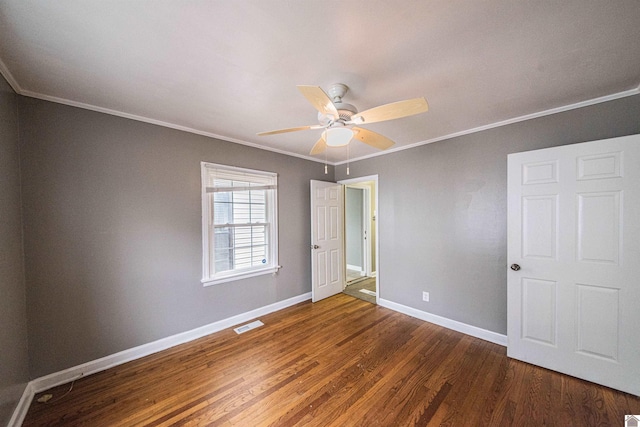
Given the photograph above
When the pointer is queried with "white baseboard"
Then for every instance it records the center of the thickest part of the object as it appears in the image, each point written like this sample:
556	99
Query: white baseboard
23	406
94	366
57	378
474	331
355	268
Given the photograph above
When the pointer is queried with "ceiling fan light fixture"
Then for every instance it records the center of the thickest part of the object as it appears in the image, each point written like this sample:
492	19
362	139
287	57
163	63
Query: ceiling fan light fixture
340	120
338	136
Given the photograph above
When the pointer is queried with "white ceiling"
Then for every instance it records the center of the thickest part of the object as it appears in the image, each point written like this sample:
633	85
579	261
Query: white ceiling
230	68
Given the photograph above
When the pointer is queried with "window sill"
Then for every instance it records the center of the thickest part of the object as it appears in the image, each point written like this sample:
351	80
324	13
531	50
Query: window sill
239	276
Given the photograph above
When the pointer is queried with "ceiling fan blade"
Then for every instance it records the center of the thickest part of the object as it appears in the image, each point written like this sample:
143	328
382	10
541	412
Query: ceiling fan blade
395	110
273	132
371	138
319	147
320	100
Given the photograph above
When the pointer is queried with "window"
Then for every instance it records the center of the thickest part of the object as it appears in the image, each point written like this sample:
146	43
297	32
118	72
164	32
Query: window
239	223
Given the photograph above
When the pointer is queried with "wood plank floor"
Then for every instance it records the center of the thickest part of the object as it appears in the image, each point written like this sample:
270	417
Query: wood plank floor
368	284
338	362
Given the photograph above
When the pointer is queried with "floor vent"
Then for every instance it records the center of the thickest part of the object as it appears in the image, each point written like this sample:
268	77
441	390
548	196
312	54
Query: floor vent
368	292
249	326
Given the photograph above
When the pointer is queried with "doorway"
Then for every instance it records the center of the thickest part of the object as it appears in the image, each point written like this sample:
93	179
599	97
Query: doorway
361	238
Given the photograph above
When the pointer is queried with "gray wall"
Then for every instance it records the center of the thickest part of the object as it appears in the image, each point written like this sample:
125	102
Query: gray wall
442	210
13	316
113	246
354	227
112	227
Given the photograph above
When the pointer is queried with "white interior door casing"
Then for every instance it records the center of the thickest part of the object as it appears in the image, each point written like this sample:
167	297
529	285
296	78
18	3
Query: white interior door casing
327	239
574	229
366	222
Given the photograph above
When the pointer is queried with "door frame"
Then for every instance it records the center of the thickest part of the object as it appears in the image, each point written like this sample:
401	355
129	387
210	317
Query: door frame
376	212
366	229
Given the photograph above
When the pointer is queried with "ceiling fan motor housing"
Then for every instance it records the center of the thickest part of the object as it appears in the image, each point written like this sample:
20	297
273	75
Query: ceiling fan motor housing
345	111
338	119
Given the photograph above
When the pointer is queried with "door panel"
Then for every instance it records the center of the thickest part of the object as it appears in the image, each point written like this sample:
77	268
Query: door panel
334	222
597	338
599	166
321	266
540	173
321	222
599	227
327	239
574	229
539	310
539	226
335	267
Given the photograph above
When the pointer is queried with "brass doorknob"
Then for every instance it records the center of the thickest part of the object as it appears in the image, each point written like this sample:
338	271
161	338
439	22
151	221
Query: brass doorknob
315	247
515	267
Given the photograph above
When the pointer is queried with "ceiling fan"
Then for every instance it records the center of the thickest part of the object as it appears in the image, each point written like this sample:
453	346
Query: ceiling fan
339	119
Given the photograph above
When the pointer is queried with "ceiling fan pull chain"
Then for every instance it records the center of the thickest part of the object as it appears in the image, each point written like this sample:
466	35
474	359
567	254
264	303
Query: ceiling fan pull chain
326	168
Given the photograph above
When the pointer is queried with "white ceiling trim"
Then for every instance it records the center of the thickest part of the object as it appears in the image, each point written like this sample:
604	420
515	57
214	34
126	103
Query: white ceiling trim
9	78
18	89
556	110
160	123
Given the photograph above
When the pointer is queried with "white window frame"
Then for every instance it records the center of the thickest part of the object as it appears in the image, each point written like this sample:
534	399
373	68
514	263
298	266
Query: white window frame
209	276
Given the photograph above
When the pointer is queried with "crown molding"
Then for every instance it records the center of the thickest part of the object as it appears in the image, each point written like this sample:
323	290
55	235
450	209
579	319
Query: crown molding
144	119
526	117
4	70
18	89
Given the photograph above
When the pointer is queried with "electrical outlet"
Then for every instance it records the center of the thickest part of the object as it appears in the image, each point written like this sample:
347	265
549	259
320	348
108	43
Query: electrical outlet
425	296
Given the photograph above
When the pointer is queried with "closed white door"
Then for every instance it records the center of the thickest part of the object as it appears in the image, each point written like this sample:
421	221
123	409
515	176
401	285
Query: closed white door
327	239
574	253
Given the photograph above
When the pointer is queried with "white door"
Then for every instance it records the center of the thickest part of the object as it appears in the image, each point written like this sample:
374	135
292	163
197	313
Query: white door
327	239
574	231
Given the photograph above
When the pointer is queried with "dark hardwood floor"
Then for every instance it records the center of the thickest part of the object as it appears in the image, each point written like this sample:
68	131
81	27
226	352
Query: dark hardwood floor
338	362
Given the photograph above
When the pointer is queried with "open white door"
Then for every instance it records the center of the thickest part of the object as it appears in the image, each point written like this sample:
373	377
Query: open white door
574	253
327	239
